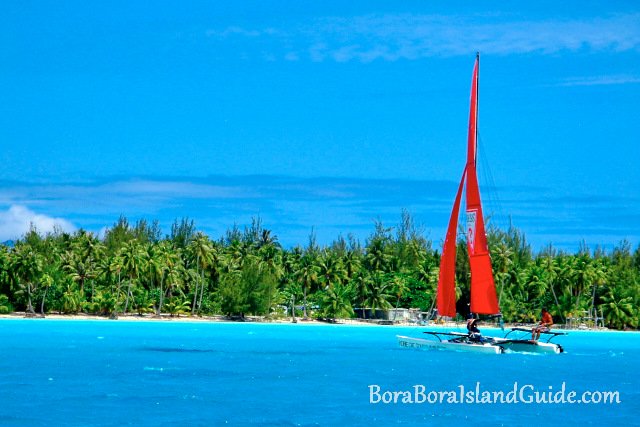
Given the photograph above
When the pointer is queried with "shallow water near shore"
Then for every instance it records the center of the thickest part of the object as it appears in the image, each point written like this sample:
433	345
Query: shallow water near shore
111	373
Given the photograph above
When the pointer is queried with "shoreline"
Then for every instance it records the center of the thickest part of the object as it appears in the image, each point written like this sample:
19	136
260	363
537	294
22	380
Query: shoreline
213	319
262	320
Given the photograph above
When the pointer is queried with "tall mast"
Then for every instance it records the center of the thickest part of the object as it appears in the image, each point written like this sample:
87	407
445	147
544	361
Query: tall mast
483	291
472	135
477	106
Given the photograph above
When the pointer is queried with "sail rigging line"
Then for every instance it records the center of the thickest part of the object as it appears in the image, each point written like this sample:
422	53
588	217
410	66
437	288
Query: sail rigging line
492	198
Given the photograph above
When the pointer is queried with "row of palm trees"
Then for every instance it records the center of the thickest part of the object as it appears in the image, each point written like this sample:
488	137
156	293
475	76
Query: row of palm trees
135	270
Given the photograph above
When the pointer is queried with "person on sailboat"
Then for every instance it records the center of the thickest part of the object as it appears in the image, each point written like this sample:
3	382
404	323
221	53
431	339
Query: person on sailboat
472	328
544	325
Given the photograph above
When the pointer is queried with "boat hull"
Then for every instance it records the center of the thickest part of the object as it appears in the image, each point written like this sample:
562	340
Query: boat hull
526	346
409	342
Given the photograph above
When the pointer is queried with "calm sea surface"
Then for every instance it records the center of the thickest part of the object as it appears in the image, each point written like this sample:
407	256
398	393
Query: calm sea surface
113	373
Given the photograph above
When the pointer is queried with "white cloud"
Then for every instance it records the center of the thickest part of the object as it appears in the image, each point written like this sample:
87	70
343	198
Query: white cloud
392	37
171	189
135	195
601	80
17	220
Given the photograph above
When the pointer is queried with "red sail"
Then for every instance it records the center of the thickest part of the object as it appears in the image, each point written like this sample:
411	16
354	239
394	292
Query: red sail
447	278
483	291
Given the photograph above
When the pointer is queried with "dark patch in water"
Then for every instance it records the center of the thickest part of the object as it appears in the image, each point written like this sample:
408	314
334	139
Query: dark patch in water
178	350
259	352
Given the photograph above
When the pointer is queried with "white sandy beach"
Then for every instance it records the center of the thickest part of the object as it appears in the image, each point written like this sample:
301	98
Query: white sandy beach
257	319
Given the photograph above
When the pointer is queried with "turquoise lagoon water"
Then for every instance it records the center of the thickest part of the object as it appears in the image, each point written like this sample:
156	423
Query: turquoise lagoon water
113	373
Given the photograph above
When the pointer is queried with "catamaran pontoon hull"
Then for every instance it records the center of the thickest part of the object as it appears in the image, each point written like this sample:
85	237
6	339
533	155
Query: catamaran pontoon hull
524	346
421	343
491	345
519	344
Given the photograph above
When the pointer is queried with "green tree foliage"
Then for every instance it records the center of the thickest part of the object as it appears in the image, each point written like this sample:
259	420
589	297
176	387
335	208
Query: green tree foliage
133	269
5	304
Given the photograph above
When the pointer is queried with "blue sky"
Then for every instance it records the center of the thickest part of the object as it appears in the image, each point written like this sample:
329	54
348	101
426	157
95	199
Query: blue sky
320	114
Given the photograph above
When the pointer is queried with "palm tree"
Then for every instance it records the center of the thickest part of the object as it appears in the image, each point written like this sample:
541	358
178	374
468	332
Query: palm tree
266	238
583	276
200	248
377	258
291	291
502	262
599	279
113	267
361	286
104	303
176	307
46	282
235	254
336	303
378	294
133	263
27	264
175	278
411	249
89	249
5	269
352	262
71	300
550	266
564	273
270	264
163	259
77	269
618	309
330	270
143	301
400	287
5	305
426	276
307	276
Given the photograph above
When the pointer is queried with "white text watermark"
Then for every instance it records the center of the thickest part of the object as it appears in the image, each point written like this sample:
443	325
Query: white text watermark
518	394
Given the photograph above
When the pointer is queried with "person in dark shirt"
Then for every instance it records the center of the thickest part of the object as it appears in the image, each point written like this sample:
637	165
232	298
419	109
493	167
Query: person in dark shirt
472	328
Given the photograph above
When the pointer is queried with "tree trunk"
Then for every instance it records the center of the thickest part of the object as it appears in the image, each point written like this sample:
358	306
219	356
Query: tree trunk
159	313
593	307
304	307
126	303
433	304
293	309
555	298
118	292
201	290
578	301
195	294
42	303
501	289
269	303
29	305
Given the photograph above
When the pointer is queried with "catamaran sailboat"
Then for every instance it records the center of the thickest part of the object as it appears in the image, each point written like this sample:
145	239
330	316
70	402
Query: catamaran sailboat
483	290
